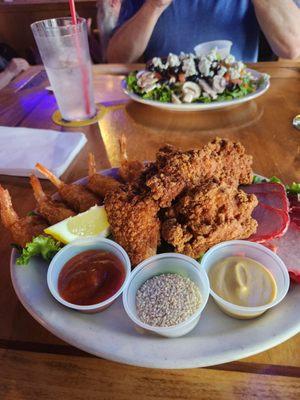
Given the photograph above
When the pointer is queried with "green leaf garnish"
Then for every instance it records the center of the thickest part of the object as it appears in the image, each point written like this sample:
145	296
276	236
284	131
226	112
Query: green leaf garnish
294	188
42	245
32	213
274	179
199	259
258	179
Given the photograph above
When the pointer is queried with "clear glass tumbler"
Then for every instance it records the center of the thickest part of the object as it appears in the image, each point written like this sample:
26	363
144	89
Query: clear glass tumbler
65	53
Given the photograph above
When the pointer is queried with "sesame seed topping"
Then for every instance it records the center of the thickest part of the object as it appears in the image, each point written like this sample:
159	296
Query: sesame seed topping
167	300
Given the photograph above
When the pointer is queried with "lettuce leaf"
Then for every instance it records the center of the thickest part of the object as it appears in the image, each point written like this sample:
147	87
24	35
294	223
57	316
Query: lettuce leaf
42	245
294	188
162	94
131	81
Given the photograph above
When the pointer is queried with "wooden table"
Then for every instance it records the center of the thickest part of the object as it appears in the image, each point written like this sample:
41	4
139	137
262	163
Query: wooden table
34	363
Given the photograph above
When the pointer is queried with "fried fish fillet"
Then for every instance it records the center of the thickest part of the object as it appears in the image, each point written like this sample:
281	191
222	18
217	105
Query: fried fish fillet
206	215
134	222
176	170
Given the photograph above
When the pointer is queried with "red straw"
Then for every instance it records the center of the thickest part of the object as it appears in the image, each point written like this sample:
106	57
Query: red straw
73	11
84	72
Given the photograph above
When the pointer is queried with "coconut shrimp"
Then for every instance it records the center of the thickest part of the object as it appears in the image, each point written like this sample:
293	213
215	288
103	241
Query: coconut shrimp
97	183
129	171
24	229
53	211
75	196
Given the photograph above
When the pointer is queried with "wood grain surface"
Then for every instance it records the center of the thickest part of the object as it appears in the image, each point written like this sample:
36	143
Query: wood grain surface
34	364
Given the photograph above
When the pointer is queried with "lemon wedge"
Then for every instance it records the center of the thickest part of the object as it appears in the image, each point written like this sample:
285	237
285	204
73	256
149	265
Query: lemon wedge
92	222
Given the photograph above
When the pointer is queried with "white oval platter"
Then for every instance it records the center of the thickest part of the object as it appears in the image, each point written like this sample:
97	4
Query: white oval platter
110	334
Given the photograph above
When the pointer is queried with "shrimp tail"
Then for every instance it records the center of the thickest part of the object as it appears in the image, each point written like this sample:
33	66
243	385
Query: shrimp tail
123	145
48	174
38	192
92	165
7	213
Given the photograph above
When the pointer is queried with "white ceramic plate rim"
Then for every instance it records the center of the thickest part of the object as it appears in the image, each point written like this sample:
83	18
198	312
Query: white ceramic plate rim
200	106
227	354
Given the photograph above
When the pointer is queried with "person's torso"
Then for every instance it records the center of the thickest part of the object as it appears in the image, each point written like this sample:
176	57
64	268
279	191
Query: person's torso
186	23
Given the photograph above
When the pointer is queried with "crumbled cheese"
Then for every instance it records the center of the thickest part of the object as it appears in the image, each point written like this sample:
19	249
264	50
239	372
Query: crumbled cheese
234	73
189	67
173	60
240	66
229	59
183	56
204	66
212	55
157	62
222	71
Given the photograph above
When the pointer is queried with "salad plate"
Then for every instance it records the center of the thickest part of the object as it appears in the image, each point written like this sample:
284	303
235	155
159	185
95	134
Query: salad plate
110	334
263	87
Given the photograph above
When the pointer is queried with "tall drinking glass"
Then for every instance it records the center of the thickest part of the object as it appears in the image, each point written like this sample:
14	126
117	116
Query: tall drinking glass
65	53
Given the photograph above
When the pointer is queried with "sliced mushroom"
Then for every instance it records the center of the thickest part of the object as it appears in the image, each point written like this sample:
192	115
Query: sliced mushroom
176	99
146	80
150	87
205	87
219	84
140	73
191	91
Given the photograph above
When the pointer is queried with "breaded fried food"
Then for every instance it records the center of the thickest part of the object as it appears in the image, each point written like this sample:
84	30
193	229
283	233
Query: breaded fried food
23	230
53	211
130	170
134	222
206	215
76	197
177	170
97	183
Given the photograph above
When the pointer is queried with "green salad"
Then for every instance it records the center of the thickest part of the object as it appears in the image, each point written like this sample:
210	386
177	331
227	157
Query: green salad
190	79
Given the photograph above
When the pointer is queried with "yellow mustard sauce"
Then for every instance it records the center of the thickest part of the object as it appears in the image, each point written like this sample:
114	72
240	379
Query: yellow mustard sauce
242	281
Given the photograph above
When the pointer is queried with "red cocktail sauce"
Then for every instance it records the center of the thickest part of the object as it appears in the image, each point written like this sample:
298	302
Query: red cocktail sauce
91	277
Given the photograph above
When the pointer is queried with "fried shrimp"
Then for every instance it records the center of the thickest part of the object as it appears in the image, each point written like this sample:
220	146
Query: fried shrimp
129	171
97	183
53	211
76	196
23	230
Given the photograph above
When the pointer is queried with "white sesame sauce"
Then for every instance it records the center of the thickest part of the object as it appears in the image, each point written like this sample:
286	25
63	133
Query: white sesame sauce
167	300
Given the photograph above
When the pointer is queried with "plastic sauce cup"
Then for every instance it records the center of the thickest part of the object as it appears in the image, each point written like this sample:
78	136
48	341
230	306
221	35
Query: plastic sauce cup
77	247
223	47
164	264
258	253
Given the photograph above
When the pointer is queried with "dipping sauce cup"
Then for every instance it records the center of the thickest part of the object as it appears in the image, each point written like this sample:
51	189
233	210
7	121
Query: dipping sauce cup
165	264
75	248
223	47
258	253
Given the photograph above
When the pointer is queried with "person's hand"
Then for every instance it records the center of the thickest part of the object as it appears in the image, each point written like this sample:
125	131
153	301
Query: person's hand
160	3
16	66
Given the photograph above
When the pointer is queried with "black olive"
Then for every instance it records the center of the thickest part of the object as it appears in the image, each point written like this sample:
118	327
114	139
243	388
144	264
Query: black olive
192	78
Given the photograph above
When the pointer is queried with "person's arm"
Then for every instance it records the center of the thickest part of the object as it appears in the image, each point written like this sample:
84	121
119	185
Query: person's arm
280	22
13	69
130	41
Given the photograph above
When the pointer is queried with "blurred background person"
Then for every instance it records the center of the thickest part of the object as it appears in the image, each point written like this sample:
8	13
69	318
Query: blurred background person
148	28
107	17
10	65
